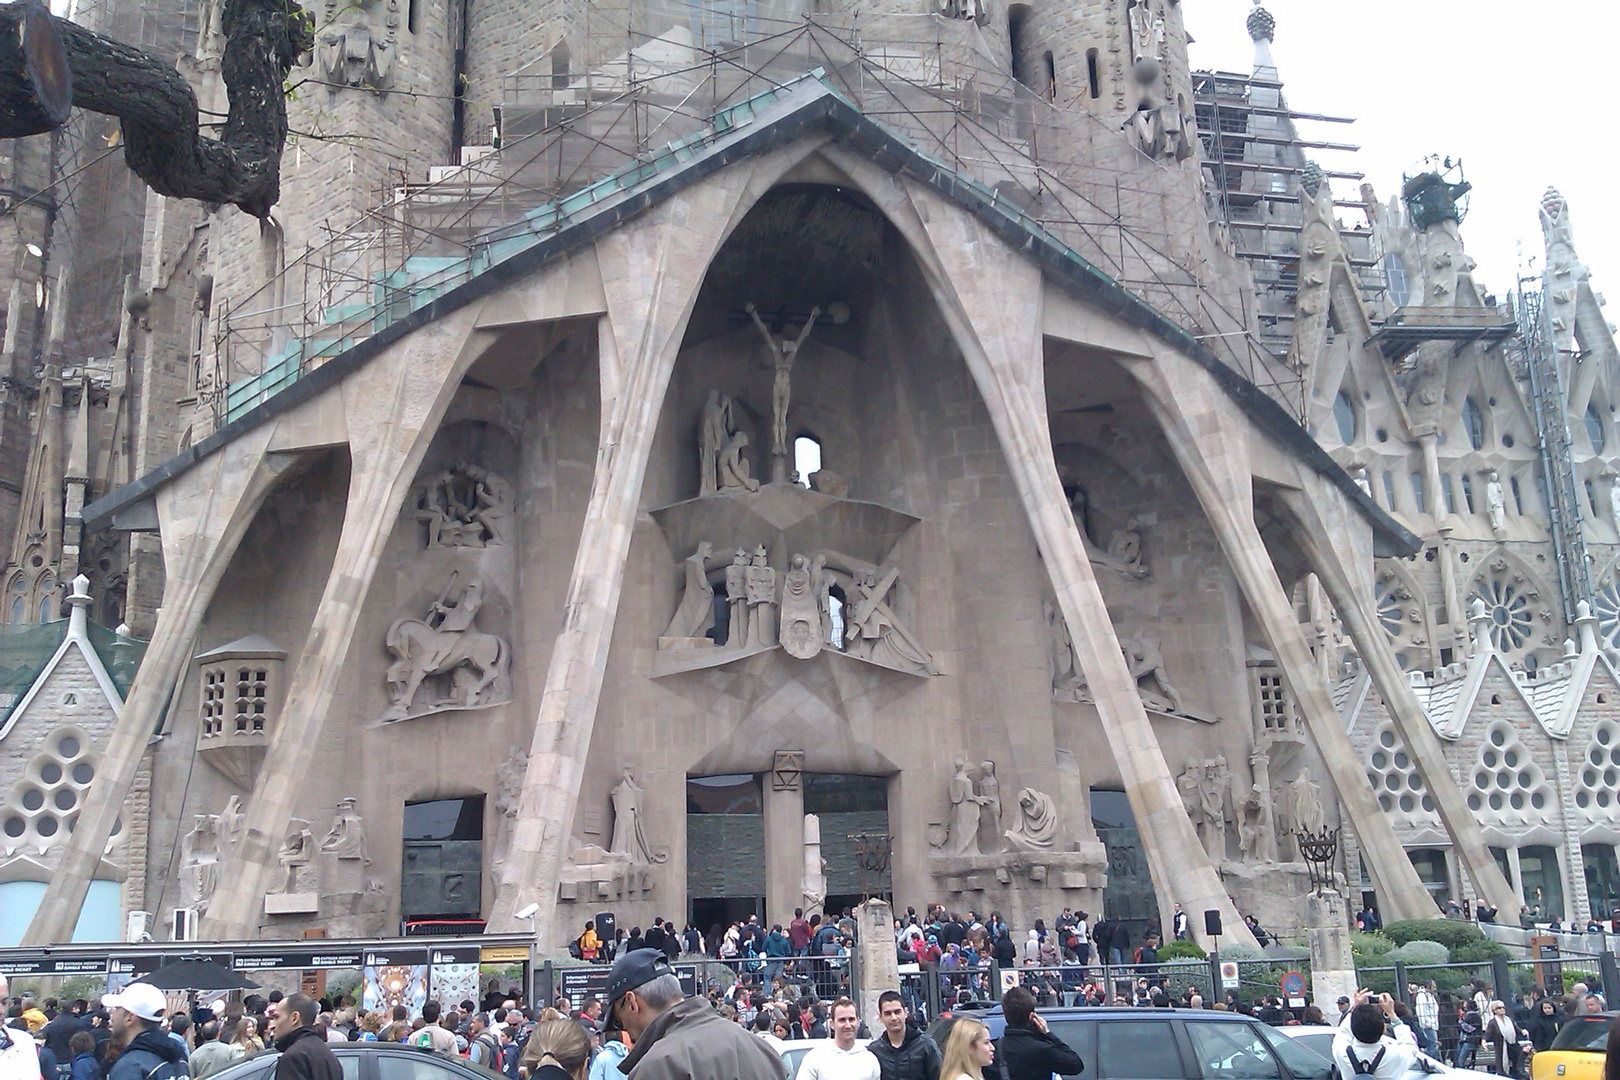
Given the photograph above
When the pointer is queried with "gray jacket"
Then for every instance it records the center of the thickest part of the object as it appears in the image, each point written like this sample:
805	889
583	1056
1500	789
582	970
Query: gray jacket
690	1041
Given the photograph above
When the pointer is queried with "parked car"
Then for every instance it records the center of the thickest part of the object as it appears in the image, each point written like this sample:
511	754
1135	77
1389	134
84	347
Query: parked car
1320	1039
372	1061
1577	1050
793	1051
1167	1044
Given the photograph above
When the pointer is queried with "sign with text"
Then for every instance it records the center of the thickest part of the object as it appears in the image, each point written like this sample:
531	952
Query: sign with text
1230	980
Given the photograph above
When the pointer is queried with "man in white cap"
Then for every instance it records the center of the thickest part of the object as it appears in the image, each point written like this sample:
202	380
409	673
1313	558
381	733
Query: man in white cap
149	1053
19	1059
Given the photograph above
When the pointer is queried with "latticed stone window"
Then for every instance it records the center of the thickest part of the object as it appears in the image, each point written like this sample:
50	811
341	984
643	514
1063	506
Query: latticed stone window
1273	706
213	701
252	698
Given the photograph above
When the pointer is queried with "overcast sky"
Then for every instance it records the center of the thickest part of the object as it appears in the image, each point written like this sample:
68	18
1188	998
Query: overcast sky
1523	93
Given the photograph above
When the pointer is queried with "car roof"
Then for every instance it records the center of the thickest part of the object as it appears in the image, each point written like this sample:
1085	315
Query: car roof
1102	1012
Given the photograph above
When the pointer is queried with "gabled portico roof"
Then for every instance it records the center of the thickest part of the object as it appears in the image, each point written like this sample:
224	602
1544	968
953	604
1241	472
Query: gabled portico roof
805	107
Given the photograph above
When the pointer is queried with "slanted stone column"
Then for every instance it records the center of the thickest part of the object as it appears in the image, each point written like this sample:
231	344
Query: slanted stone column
393	406
1212	446
1327	932
877	968
651	271
1316	525
202	516
991	299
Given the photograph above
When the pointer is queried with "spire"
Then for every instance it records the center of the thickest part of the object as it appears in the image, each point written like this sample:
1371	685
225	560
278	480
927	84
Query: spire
1262	25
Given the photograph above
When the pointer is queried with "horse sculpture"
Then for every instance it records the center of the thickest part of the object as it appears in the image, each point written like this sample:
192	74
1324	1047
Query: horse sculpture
472	659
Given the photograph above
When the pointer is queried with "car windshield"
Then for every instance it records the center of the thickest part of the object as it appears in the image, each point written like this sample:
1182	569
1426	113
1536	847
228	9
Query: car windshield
1302	1061
1583	1033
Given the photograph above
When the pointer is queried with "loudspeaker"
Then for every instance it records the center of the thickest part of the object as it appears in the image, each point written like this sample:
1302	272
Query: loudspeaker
605	926
1212	922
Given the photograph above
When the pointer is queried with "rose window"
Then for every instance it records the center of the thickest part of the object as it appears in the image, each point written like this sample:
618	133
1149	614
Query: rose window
1508	606
1606	606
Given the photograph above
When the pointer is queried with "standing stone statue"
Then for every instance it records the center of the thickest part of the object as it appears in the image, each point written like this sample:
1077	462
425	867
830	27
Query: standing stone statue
821	585
737	600
508	796
815	867
1037	826
1190	784
990	799
199	860
1495	507
492	503
1125	546
1306	804
1145	661
1066	680
694	616
783	353
965	808
230	822
1253	817
297	849
761	601
1614	501
347	839
1215	791
628	835
802	635
713	436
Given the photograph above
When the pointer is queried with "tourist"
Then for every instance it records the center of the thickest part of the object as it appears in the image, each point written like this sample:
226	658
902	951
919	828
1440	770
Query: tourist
137	1024
968	1051
1503	1036
64	1026
675	1037
214	1051
588	944
558	1049
605	1066
1426	1007
18	1058
304	1053
85	1065
1363	1046
1029	1050
1544	1024
841	1057
903	1051
432	1035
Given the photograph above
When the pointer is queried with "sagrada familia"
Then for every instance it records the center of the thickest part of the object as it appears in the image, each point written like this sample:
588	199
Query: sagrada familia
694	458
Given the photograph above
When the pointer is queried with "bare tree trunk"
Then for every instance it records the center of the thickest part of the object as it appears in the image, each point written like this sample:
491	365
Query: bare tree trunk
158	110
35	90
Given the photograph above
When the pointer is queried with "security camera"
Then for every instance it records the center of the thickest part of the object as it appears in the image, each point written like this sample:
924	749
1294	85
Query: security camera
527	912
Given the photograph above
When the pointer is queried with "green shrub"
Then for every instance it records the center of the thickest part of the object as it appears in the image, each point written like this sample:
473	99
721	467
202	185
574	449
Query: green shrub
1478	952
1448	932
1182	950
1237	950
1419	954
1365	944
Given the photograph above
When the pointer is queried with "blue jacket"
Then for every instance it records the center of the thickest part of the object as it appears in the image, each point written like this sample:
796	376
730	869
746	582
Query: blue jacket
151	1052
86	1067
605	1066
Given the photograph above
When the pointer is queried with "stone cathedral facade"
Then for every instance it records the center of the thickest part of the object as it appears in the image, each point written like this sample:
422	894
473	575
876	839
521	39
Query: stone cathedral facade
691	459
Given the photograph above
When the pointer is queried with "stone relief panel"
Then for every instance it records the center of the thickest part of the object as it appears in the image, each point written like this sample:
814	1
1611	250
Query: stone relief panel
465	505
442	660
356	43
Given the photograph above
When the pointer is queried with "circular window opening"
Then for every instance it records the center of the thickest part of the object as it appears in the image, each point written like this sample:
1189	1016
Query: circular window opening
1387	738
1603	736
33	799
1407	804
1517	800
16	826
1507	439
1415	782
1603	798
1498	737
1524	778
1538	800
118	826
1392	782
1496	802
1581	799
1482	780
1489	758
1380	760
1383	436
1473	802
1596	756
68	747
1386	802
65	798
1427	803
50	772
1401	761
45	826
1589	778
1510	759
83	773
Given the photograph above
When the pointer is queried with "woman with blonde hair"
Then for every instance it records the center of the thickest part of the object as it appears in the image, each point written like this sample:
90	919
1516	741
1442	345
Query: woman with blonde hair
968	1051
557	1050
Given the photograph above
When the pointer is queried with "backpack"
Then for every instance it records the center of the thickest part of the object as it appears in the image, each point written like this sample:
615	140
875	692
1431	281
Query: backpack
1363	1070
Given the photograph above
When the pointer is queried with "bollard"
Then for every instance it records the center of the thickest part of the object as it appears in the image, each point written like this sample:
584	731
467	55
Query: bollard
995	981
547	989
1402	994
1216	992
931	988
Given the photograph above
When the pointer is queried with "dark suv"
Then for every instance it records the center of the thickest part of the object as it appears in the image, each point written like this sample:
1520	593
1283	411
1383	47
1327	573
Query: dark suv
1167	1044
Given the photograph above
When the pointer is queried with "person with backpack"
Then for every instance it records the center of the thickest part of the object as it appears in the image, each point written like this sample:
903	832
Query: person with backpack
1363	1049
137	1021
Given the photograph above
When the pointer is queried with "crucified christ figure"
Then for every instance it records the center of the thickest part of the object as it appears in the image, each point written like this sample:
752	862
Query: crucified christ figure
783	353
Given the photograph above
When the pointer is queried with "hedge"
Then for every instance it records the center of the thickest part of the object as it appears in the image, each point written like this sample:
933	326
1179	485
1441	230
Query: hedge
1449	932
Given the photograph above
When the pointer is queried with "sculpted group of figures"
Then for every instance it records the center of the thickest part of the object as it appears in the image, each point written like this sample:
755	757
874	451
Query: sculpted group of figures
976	816
1213	798
828	600
213	836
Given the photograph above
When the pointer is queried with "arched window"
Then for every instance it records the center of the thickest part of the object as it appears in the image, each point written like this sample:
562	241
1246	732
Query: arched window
1093	79
1594	429
1395	279
19	600
1051	77
1445	489
806	457
1474	423
1345	413
1591	499
1468	492
835	611
1518	496
1389	492
1417	491
47	599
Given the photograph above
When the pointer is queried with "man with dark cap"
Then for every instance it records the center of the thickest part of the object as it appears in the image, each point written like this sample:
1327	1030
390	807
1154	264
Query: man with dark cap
676	1037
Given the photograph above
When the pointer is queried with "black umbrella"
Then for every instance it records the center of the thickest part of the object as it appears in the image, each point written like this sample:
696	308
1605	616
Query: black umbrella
197	975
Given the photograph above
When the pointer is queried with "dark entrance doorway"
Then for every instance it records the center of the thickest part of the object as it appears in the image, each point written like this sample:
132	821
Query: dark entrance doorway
725	852
851	806
1129	894
444	859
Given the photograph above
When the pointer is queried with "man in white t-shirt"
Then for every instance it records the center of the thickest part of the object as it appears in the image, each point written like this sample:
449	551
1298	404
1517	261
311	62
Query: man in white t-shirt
841	1057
